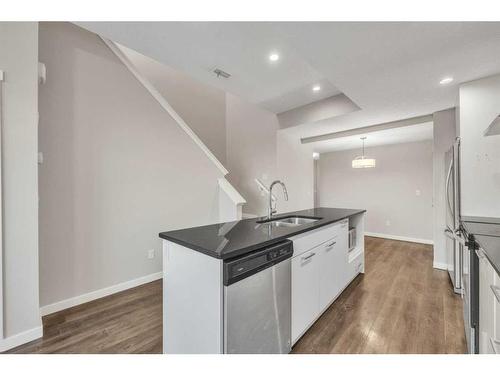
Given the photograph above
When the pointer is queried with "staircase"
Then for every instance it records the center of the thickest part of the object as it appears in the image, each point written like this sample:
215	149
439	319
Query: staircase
230	202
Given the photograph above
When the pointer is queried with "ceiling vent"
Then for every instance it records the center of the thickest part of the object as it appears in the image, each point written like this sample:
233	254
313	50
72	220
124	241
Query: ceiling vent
220	73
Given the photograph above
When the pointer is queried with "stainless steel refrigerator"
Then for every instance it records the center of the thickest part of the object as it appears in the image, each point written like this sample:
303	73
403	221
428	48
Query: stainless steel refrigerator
462	261
452	230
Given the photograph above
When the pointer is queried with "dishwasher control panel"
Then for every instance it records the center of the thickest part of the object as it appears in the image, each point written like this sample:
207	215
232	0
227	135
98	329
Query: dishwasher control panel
249	264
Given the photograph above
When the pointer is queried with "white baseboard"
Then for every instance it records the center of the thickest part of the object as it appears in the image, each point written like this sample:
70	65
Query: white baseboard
440	266
87	297
21	338
400	238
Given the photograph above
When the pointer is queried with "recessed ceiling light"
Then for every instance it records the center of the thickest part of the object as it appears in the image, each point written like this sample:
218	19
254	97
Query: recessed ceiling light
316	88
446	80
274	57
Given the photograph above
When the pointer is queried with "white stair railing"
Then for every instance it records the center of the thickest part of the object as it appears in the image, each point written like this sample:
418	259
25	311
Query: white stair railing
1	211
230	201
264	189
163	102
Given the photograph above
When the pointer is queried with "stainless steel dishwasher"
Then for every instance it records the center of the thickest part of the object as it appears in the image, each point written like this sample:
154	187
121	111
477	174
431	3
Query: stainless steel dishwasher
257	301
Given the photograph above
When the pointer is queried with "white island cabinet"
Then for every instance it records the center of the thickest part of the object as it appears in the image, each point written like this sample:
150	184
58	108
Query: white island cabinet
322	267
195	291
489	307
305	291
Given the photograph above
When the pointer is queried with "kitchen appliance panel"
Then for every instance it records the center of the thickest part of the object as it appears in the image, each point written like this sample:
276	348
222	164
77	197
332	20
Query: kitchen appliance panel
257	307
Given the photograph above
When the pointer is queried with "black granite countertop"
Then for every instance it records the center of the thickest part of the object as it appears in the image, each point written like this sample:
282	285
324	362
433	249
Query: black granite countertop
235	238
486	231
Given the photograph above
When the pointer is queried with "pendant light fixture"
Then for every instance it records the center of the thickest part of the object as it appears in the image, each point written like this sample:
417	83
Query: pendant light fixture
362	161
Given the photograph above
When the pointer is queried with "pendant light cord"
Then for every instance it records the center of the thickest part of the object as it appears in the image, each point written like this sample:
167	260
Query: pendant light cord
363	154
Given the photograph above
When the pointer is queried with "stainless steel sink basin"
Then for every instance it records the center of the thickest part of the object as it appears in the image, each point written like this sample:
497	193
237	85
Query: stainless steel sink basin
298	220
291	221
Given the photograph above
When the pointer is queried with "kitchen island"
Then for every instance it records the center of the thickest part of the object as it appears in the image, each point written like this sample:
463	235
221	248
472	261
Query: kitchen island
256	285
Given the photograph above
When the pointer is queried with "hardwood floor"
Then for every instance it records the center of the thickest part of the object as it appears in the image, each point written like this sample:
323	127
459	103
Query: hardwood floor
126	322
401	305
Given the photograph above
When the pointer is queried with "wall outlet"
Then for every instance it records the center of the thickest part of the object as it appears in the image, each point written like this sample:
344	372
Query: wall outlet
151	254
417	193
388	223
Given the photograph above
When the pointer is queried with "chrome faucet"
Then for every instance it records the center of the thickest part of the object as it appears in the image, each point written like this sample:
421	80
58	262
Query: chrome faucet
272	211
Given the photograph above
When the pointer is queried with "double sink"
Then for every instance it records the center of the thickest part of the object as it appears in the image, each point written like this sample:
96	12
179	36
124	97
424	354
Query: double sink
289	221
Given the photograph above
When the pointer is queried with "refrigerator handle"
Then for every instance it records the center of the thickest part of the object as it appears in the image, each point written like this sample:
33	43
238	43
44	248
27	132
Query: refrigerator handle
460	237
447	192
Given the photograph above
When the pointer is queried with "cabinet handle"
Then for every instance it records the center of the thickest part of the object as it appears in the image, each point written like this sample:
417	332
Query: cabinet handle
330	245
496	292
495	344
309	256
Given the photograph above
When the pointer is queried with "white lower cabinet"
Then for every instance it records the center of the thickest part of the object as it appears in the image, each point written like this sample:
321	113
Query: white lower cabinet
319	275
489	308
331	277
496	341
305	291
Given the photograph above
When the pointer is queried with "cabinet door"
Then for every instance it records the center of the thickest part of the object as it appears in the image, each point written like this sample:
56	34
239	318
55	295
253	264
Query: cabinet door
332	263
496	292
305	292
486	306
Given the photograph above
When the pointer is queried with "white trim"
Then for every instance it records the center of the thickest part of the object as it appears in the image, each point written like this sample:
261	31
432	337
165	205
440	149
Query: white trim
96	294
230	202
1	212
21	338
400	238
163	102
264	188
231	192
440	266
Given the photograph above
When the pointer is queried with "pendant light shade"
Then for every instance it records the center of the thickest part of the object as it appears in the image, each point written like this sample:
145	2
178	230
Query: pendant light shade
362	161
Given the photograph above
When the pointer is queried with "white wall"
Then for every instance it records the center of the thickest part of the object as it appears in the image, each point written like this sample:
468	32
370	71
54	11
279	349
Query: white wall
251	151
480	155
444	135
117	170
387	192
201	106
19	61
240	134
296	169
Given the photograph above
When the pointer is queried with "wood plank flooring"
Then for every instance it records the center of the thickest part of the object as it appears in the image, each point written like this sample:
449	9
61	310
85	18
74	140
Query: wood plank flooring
126	322
401	305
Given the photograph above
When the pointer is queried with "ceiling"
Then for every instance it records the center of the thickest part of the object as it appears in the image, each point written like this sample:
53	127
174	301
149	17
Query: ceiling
413	133
391	70
241	49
